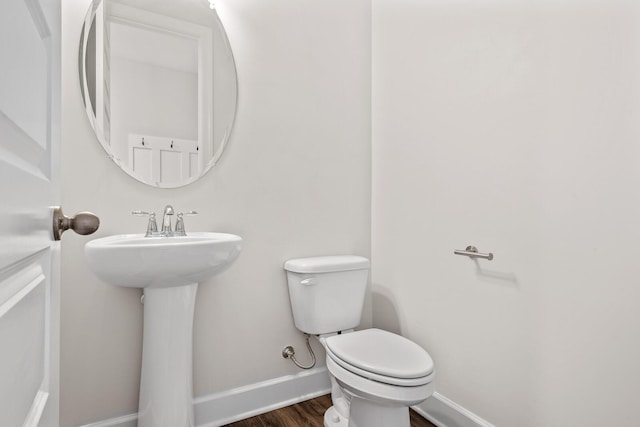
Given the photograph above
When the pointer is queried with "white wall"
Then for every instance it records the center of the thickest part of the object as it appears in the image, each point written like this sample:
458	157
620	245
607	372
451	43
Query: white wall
139	108
513	126
294	181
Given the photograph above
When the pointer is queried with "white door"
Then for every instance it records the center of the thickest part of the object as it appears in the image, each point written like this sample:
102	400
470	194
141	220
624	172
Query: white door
29	258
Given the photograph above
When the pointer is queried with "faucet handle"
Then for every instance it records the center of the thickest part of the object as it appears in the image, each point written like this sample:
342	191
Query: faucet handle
179	230
152	226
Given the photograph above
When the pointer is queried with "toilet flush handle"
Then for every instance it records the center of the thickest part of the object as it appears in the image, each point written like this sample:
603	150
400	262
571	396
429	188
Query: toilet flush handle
308	282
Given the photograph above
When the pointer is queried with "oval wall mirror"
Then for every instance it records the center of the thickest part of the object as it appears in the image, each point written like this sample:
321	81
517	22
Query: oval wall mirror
159	86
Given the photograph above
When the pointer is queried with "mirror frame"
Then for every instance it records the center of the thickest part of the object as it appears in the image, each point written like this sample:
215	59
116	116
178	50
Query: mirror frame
205	101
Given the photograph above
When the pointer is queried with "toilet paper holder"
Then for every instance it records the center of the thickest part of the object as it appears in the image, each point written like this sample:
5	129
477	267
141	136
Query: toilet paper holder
472	252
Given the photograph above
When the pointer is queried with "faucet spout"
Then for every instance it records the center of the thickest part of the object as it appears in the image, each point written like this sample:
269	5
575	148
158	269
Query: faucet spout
166	220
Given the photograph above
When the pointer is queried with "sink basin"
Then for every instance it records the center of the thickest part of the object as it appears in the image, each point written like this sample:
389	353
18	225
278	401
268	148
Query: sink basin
135	261
168	269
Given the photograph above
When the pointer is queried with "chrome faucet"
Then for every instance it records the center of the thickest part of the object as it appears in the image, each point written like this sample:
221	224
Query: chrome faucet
180	231
152	226
165	231
166	220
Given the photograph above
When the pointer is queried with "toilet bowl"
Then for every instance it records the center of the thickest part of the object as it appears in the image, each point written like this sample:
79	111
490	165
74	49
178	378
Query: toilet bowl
375	375
383	374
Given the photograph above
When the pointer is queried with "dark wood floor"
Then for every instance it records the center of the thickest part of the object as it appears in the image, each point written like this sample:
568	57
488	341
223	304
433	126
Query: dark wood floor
306	414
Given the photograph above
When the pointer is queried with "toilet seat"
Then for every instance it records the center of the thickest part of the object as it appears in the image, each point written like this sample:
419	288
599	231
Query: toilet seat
381	356
380	392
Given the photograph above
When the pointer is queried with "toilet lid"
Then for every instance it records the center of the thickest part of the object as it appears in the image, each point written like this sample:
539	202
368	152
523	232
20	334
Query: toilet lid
381	352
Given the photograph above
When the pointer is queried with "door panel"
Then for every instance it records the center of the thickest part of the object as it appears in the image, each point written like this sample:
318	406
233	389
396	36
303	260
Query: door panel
22	334
22	23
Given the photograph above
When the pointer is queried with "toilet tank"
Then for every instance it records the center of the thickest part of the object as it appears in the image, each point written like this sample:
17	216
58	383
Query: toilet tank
327	293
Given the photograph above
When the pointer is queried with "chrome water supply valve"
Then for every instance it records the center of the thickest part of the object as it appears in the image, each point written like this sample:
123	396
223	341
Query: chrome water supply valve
289	353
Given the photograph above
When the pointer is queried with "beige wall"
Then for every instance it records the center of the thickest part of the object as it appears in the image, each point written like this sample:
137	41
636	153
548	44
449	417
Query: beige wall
295	181
513	126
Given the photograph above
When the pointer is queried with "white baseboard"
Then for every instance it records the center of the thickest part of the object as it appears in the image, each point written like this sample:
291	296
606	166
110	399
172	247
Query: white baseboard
444	412
222	408
228	406
130	420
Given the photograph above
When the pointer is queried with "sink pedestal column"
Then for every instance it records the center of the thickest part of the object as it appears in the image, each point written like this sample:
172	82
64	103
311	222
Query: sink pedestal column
166	383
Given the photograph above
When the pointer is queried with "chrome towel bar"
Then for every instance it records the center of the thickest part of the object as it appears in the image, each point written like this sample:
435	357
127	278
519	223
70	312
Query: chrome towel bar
472	252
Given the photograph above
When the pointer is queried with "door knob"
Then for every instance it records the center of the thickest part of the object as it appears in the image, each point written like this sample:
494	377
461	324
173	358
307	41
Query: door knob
82	223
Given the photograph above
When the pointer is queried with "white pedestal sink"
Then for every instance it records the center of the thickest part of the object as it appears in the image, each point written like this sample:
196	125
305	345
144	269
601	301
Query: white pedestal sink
169	269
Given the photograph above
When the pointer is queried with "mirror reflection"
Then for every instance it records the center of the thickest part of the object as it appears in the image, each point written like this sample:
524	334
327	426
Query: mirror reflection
159	86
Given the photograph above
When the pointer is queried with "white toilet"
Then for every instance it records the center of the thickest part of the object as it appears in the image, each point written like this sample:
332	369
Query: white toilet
375	375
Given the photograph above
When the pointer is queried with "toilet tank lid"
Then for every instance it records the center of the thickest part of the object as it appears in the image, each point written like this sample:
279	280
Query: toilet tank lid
326	264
